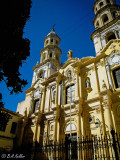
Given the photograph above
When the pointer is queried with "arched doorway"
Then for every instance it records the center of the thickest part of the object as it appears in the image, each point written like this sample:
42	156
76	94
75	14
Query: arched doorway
73	132
71	141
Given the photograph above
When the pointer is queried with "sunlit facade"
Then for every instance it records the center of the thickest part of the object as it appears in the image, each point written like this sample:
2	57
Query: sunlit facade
84	94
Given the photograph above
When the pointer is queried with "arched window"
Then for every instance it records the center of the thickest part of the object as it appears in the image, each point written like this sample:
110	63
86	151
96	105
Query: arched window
116	75
72	127
36	106
70	94
105	18
51	55
101	4
110	36
52	127
51	40
41	74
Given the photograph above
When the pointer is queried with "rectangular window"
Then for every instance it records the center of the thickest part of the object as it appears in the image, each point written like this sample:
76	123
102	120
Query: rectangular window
116	75
36	106
13	128
2	127
70	94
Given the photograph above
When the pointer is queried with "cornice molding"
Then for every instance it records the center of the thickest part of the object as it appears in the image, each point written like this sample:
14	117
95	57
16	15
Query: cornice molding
105	8
51	47
44	63
104	27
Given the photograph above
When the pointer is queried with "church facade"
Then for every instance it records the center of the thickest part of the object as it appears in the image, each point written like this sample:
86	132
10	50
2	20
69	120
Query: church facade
82	97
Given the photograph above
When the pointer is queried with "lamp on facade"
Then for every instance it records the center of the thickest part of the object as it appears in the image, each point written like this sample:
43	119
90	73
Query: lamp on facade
97	123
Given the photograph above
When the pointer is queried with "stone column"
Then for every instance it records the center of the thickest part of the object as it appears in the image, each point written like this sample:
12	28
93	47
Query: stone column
116	34
64	95
79	132
77	87
79	113
57	86
80	86
110	15
100	20
103	119
79	123
37	126
107	102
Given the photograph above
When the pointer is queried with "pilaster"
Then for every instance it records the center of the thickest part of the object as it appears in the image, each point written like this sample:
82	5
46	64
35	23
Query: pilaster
57	116
107	103
43	99
97	80
102	116
22	129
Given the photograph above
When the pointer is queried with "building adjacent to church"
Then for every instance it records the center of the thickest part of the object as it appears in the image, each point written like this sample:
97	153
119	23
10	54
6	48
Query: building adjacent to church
83	95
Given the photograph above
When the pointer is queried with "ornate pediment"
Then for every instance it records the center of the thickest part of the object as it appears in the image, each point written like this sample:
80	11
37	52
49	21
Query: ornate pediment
37	83
112	47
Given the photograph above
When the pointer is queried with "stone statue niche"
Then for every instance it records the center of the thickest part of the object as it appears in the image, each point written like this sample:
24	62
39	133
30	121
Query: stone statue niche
88	84
70	54
69	73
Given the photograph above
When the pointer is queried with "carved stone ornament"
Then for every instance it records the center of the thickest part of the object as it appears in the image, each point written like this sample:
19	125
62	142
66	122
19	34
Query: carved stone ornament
38	93
114	59
70	54
104	85
51	137
112	47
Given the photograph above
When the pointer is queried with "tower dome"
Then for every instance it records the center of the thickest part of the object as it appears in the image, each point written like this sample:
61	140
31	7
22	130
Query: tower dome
106	22
52	39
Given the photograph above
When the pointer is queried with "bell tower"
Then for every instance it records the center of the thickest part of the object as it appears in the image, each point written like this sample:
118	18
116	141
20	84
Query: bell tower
51	50
106	22
49	57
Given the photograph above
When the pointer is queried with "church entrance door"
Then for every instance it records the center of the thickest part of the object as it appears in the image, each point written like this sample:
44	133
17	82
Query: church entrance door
71	146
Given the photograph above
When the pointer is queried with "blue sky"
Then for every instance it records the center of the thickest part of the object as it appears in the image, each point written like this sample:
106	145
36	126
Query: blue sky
73	19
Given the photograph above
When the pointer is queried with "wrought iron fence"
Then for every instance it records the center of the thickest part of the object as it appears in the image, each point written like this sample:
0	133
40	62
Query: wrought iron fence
88	148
